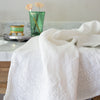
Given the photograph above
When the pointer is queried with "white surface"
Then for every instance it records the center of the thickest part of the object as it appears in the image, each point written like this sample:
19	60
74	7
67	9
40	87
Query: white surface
56	10
2	42
7	48
52	67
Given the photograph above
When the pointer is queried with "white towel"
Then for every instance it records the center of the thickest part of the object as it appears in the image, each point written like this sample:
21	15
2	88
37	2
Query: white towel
57	65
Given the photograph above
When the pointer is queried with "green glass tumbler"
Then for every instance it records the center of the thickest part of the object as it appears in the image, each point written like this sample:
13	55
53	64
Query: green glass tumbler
36	22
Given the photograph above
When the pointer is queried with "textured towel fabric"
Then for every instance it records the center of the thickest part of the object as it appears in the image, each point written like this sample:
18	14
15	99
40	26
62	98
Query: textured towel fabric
57	65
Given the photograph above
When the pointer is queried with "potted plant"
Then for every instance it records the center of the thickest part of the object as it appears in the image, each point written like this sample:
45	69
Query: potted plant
36	18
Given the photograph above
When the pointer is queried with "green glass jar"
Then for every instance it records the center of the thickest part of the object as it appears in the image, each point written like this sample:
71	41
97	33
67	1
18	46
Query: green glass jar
36	22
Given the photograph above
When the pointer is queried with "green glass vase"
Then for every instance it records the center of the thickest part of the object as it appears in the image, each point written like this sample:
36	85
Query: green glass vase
36	22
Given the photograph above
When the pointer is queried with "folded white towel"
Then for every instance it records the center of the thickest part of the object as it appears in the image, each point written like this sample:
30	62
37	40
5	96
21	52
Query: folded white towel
57	66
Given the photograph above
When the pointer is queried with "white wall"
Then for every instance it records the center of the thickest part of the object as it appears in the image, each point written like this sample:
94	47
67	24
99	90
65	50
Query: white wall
56	10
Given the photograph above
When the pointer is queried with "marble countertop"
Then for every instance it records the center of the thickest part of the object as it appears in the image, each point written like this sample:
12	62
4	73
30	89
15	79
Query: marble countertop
7	48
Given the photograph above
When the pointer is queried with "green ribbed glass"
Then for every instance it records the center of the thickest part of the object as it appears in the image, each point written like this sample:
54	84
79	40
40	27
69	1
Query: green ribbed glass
36	22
